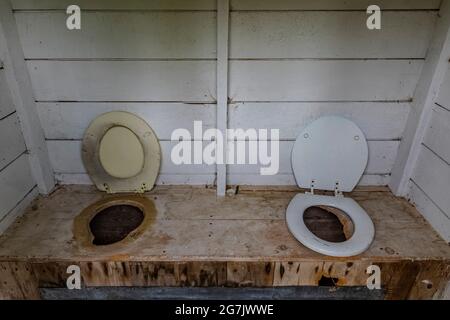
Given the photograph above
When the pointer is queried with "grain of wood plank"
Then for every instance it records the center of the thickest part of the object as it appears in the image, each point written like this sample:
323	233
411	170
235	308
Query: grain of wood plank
69	121
16	181
289	180
254	274
12	144
437	137
444	95
381	158
432	175
330	4
378	121
6	102
119	35
432	213
219	244
327	80
185	81
208	235
65	157
17	282
328	35
116	4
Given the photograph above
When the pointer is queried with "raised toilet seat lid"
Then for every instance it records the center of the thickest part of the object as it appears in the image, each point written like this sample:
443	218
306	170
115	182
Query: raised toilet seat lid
364	230
121	153
331	152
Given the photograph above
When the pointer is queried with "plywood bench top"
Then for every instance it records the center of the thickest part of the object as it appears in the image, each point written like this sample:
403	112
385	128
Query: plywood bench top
192	224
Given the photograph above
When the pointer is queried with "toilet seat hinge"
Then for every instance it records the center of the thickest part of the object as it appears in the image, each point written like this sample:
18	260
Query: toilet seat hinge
312	188
337	191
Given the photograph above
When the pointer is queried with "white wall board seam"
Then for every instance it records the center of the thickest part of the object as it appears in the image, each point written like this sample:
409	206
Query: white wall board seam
187	102
429	198
223	16
133	59
318	59
441	106
18	210
163	179
18	203
233	102
436	154
8	115
18	11
330	10
12	161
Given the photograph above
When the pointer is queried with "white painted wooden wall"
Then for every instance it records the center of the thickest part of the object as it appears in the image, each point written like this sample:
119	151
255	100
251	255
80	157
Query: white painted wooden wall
17	185
430	182
290	62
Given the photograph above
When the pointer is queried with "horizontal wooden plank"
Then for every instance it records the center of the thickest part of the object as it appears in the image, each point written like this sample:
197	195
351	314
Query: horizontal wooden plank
163	179
192	224
382	155
65	157
6	102
444	94
434	215
378	121
235	4
116	4
12	143
137	35
311	34
331	4
123	80
327	80
437	137
209	179
432	175
69	121
289	180
16	181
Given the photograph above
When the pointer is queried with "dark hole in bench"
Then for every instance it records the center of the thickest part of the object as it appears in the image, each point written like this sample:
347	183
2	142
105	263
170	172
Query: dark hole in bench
115	223
329	224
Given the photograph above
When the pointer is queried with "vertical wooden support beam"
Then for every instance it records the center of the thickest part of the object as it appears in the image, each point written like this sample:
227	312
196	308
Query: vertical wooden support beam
19	81
433	74
223	12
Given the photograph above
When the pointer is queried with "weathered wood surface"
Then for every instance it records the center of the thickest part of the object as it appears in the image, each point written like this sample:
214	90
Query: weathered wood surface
235	4
199	240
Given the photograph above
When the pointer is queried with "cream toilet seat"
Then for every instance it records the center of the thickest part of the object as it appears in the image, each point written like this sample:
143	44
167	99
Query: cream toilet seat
364	229
121	153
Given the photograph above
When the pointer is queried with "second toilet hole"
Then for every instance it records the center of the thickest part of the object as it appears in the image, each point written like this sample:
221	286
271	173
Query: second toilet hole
329	223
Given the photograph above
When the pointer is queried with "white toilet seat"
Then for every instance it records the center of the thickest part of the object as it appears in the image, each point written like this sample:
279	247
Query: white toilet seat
330	154
364	230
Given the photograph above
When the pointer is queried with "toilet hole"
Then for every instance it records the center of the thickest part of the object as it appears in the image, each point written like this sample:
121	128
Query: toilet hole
115	223
328	223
